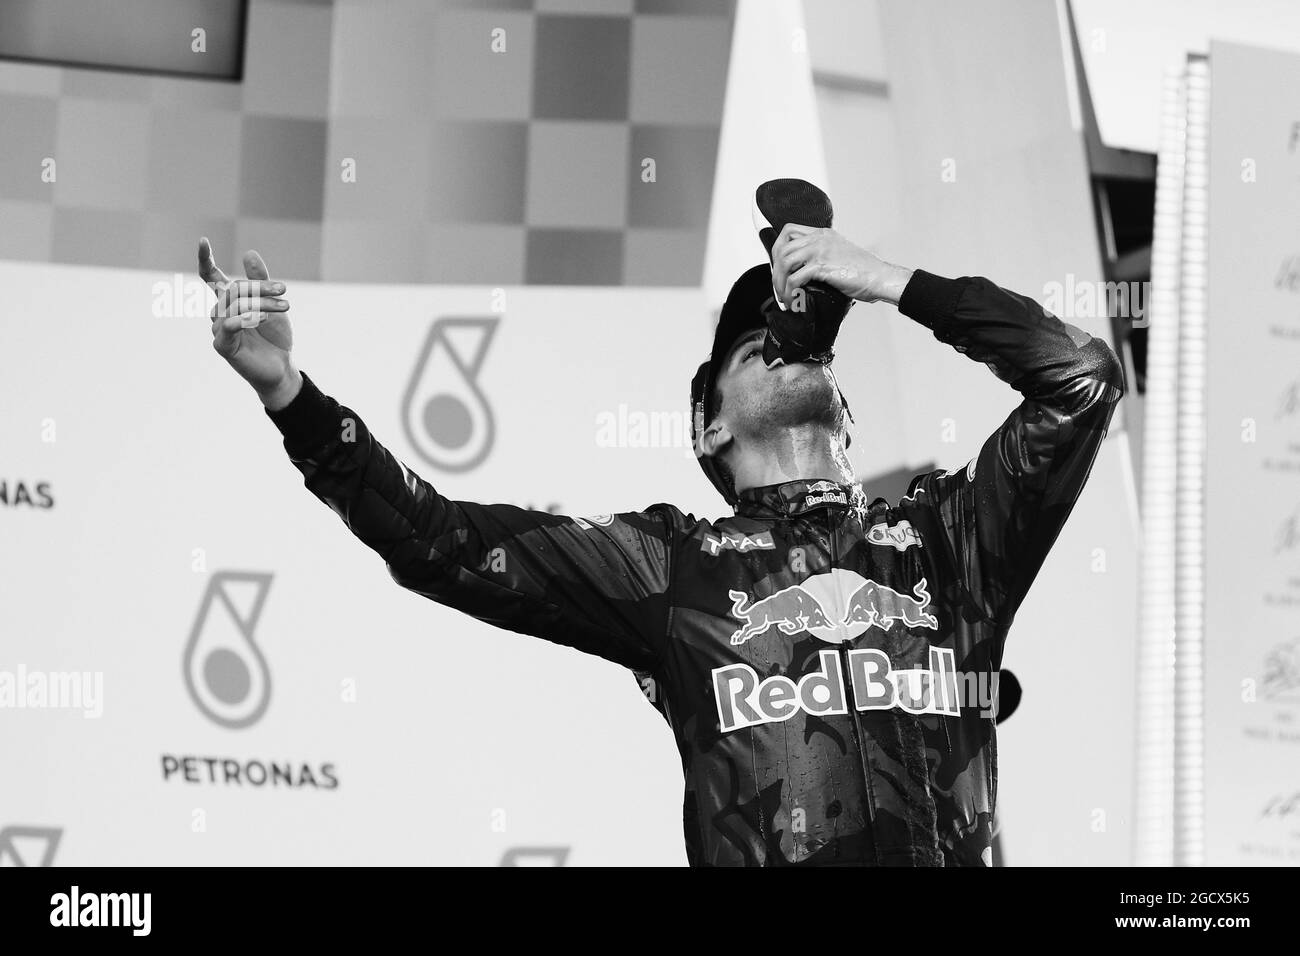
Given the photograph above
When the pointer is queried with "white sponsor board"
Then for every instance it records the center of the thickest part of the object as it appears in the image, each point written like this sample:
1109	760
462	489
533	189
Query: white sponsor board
1252	480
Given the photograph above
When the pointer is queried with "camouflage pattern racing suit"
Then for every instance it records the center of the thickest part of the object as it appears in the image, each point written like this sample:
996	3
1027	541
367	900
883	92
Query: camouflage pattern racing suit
818	656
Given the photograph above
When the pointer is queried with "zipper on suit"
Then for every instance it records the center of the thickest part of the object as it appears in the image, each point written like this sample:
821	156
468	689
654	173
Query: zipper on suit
831	525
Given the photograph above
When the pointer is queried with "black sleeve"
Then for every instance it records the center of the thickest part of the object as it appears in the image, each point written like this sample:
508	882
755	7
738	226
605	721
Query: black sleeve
597	584
1000	514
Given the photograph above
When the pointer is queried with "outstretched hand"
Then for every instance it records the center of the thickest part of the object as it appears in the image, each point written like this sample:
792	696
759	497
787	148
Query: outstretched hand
250	329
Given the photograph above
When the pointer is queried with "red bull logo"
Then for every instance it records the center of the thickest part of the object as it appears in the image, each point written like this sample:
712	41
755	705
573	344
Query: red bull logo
879	606
745	700
791	610
834	607
824	492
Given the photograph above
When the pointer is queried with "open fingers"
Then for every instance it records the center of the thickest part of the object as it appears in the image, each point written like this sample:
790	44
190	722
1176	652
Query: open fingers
226	329
254	267
238	289
225	335
254	303
209	272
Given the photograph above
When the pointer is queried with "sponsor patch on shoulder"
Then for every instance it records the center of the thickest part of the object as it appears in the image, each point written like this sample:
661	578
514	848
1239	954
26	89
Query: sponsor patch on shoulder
586	523
899	536
715	544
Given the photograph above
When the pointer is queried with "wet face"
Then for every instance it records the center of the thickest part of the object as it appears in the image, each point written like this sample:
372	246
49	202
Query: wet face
757	400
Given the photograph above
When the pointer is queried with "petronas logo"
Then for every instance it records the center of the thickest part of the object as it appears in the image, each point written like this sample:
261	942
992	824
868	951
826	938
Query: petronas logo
225	671
445	414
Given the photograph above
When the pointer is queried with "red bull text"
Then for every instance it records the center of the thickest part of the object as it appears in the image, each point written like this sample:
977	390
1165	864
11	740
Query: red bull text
744	700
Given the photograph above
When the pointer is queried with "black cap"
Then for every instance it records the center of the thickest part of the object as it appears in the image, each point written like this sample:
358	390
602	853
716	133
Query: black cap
741	312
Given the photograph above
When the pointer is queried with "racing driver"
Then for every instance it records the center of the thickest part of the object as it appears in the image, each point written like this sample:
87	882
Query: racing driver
815	652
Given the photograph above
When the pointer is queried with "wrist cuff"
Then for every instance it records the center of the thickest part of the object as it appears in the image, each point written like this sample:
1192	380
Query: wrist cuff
929	299
307	422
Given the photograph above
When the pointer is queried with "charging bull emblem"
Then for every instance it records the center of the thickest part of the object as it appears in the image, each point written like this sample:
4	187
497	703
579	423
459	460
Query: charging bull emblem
834	607
792	610
879	606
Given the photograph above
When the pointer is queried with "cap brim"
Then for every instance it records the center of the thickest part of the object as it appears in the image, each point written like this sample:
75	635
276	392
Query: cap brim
741	313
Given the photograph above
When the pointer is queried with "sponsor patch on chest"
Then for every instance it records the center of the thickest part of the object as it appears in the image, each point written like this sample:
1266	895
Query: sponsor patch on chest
835	606
899	536
744	699
714	544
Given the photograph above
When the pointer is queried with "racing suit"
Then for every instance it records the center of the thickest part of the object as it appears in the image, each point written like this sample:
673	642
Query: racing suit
823	659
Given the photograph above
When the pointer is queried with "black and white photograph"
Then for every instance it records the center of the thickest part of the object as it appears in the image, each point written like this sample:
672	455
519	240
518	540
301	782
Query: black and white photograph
650	434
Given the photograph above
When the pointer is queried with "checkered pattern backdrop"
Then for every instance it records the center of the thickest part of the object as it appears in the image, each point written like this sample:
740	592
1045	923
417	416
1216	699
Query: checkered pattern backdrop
498	142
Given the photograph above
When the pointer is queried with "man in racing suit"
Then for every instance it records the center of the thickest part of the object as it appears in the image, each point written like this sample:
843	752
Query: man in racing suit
823	659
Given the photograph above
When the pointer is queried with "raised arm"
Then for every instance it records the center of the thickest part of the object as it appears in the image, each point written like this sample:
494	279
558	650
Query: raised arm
599	585
999	515
1002	512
